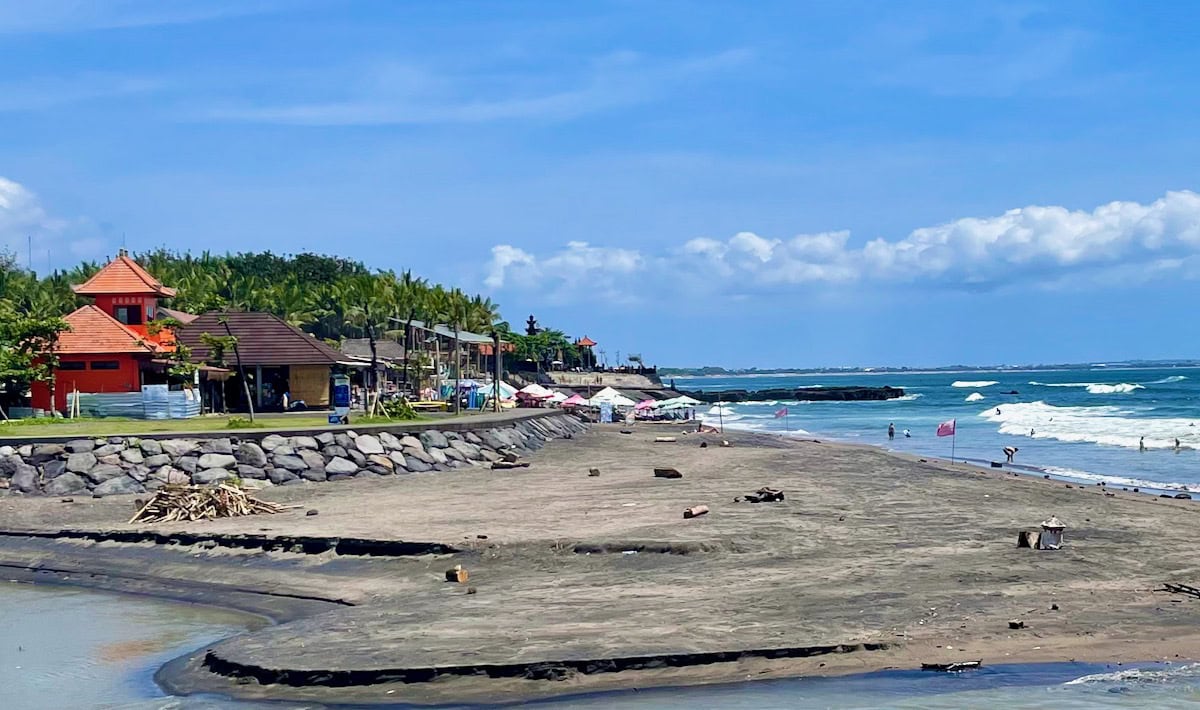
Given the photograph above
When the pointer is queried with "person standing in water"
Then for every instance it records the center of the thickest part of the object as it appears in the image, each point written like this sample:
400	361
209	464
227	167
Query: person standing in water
1142	444
891	431
907	434
1010	452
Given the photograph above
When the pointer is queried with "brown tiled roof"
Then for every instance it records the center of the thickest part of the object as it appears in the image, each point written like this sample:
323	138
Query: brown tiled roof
263	339
180	316
360	348
93	332
123	275
585	342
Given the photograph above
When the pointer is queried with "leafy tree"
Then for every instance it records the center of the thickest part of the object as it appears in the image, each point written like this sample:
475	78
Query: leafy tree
27	349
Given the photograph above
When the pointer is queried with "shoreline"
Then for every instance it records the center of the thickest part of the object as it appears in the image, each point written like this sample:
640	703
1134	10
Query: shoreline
182	675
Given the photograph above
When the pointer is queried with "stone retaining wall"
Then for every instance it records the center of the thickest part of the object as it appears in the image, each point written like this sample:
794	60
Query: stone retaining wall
113	465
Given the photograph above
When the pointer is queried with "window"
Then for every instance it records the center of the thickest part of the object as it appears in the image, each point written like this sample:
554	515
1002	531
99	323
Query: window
129	315
106	365
72	365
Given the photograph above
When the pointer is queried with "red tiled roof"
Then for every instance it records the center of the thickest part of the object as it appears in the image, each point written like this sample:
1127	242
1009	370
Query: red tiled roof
93	332
263	339
123	275
585	342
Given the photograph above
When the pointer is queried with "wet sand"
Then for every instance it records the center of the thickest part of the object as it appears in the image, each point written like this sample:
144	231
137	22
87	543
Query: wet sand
917	561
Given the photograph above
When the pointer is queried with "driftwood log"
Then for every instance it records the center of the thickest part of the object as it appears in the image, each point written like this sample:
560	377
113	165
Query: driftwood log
667	473
695	511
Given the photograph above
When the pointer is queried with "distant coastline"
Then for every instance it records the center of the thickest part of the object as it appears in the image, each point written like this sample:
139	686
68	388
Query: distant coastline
715	371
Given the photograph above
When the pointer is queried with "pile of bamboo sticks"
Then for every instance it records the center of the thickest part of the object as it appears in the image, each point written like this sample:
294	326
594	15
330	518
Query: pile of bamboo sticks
176	503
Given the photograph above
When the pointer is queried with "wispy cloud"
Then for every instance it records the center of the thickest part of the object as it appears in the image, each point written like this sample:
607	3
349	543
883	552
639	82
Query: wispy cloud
48	16
51	91
395	94
1046	246
25	222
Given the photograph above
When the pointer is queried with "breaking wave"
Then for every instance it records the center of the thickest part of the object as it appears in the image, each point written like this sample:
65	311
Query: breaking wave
907	397
1096	387
1121	480
1104	425
1168	380
1145	676
974	397
973	383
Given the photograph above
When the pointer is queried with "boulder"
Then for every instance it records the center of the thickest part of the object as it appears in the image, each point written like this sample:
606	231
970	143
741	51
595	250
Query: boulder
438	455
410	442
150	447
284	450
255	472
212	475
450	454
433	438
489	455
417	466
368	445
335	450
357	457
271	442
380	461
109	450
340	477
176	448
443	466
188	464
46	452
251	454
472	438
103	472
389	441
279	476
373	472
303	442
138	472
66	484
296	481
325	438
256	484
25	451
212	460
451	435
398	459
53	469
418	454
82	462
24	479
110	460
343	440
469	450
172	476
340	465
8	465
217	446
81	446
118	485
313	475
157	460
133	456
7	451
312	459
291	463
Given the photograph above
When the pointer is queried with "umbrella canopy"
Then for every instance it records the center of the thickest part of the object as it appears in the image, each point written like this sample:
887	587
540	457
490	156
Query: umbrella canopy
559	397
574	401
687	400
645	404
611	396
536	391
507	391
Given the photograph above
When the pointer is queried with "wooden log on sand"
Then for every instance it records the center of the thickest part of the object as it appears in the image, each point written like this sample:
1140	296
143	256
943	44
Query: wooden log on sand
667	473
695	511
664	439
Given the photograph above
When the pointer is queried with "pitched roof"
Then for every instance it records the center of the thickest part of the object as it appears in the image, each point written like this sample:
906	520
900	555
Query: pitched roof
585	342
180	316
123	275
263	339
360	348
93	332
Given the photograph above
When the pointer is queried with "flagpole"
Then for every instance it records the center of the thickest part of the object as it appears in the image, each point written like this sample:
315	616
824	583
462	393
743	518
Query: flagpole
720	412
953	442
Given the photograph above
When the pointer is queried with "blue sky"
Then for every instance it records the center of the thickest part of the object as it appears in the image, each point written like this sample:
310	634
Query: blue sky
768	183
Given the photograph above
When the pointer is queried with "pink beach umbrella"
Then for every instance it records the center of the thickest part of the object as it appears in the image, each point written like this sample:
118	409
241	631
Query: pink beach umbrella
645	404
574	401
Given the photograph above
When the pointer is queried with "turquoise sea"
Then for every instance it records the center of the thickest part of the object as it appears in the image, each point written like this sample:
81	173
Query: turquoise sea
1081	424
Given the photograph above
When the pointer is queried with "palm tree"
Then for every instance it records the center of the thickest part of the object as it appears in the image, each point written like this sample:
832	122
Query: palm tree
371	302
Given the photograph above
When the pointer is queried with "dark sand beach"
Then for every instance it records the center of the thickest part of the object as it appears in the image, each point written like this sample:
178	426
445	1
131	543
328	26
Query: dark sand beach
593	583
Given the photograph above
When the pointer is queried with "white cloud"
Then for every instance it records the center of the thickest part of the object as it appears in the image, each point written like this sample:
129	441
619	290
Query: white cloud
1120	242
23	218
579	268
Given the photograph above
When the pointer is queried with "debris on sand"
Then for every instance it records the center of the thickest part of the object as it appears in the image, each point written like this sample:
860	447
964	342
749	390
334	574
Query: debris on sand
955	667
457	574
175	503
695	511
664	439
593	472
667	473
764	495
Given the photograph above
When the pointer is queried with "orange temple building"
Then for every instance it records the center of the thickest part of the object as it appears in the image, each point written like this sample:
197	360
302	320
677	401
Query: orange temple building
108	348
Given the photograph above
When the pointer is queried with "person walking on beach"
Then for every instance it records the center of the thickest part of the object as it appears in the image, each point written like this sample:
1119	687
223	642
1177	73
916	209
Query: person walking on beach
1010	452
891	431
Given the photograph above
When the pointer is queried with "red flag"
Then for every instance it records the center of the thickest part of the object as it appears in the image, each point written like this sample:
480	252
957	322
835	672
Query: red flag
946	428
781	413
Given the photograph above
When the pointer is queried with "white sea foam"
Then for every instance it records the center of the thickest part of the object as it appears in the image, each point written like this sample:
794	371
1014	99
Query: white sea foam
974	383
1106	425
1168	380
1121	480
1122	388
718	410
907	397
974	397
1140	675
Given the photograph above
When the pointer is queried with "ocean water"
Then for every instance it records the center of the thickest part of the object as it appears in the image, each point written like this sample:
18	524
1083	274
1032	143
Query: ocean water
1082	424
